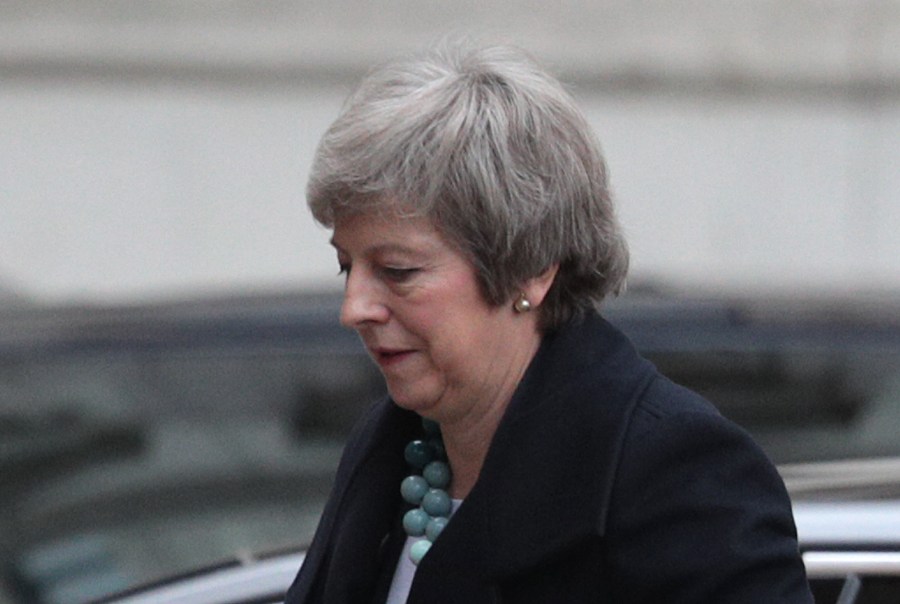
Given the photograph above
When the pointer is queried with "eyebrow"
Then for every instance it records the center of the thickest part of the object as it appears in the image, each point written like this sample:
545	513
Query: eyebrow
382	248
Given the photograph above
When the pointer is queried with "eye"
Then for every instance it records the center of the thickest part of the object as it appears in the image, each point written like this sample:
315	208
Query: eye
397	274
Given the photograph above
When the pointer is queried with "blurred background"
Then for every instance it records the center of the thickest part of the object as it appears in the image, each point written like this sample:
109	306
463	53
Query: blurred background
157	149
174	387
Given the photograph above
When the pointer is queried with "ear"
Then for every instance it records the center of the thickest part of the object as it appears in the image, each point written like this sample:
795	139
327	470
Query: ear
536	288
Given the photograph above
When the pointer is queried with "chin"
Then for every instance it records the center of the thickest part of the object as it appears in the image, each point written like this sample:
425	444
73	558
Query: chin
409	401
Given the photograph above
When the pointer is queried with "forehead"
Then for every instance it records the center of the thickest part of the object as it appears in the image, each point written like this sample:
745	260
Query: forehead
382	230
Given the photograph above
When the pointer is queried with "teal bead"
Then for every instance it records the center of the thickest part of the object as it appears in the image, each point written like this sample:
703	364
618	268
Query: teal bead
418	453
413	489
437	446
437	474
426	491
435	526
431	427
437	503
418	550
415	521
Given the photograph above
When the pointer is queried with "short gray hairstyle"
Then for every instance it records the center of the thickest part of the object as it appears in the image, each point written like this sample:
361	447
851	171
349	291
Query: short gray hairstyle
495	152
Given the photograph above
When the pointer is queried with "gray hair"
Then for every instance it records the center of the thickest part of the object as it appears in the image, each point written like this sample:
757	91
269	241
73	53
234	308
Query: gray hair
495	152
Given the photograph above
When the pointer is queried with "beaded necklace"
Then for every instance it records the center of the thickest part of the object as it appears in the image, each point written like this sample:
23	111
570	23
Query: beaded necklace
427	491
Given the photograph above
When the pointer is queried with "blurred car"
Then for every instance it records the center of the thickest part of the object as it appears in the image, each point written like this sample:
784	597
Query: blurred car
812	379
848	521
836	577
141	442
851	552
138	442
255	581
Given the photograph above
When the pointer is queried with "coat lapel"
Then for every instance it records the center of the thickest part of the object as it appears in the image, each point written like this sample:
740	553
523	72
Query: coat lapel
545	485
342	565
546	482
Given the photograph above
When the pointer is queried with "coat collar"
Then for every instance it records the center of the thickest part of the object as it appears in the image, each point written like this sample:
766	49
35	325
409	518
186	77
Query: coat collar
545	484
548	474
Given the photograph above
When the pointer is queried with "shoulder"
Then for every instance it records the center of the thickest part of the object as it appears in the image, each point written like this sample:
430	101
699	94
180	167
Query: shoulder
669	419
678	445
698	504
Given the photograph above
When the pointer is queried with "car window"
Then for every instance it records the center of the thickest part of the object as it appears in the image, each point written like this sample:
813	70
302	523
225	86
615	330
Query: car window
138	443
811	380
801	404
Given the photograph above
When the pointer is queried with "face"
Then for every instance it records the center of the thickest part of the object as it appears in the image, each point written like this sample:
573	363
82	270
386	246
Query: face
414	300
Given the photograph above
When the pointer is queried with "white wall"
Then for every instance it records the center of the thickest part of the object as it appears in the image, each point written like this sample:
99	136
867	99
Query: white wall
121	191
780	193
161	149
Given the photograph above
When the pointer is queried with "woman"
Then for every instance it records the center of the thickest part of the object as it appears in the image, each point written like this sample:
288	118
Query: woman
472	219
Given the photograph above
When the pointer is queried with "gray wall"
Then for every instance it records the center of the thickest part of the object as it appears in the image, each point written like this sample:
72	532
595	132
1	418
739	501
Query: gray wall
159	149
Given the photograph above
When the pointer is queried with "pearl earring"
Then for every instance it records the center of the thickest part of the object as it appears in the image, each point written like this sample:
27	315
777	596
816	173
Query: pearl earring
522	305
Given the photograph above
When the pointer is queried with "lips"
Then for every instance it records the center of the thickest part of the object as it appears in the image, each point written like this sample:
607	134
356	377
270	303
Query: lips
387	357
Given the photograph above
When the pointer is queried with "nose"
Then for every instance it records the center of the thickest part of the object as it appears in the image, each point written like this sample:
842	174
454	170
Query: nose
363	300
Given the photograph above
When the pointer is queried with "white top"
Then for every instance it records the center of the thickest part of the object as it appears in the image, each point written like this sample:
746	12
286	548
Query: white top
406	570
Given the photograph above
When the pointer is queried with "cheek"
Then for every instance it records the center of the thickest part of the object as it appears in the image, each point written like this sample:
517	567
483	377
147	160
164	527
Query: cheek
445	336
463	342
452	319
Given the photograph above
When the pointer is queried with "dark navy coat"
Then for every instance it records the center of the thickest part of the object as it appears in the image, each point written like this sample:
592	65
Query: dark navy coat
605	482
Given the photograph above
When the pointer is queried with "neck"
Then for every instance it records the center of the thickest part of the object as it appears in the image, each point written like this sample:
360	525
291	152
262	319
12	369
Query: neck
467	448
467	438
469	415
